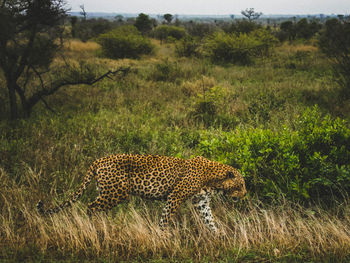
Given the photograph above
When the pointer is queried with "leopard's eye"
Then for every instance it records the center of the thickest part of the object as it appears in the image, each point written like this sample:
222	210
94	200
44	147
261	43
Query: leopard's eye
230	174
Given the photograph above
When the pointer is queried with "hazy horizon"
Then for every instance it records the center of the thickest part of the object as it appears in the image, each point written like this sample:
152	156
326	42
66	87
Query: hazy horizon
207	7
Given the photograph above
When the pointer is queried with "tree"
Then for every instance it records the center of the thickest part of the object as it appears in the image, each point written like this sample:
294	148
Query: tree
119	18
289	28
73	21
83	12
303	29
143	23
168	18
251	14
29	41
335	43
124	42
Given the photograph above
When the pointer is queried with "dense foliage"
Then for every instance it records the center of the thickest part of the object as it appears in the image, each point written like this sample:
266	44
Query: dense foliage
124	42
28	45
238	48
163	32
90	28
311	162
144	23
303	29
187	47
335	43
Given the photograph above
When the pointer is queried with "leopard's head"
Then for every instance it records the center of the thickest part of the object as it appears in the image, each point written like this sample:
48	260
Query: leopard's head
233	185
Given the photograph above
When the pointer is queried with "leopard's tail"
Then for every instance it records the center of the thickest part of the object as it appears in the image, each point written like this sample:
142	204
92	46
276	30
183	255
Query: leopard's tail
74	197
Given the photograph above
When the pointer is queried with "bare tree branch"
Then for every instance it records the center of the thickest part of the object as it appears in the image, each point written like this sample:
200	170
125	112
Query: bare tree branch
46	92
47	106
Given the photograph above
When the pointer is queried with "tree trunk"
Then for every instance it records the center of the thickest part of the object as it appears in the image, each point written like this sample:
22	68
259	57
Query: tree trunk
26	107
11	86
14	89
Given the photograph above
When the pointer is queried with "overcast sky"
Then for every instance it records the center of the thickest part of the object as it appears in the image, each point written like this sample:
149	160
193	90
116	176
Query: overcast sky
213	7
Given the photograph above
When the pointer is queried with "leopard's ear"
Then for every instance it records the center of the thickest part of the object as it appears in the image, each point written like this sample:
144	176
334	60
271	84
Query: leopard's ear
230	174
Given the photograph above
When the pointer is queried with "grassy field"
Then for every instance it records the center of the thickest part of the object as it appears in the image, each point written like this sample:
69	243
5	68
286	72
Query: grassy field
164	106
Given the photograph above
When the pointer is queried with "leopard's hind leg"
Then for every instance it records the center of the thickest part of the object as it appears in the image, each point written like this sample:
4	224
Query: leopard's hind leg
110	196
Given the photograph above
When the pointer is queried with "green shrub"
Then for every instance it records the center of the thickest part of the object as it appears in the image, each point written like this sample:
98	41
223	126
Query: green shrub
198	29
90	28
206	106
242	26
238	48
144	23
311	162
335	43
187	47
163	32
263	104
124	42
166	71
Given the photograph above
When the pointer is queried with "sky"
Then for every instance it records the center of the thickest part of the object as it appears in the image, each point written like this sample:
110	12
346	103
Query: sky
213	7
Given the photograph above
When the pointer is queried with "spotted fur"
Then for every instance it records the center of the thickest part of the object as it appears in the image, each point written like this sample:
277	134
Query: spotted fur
158	177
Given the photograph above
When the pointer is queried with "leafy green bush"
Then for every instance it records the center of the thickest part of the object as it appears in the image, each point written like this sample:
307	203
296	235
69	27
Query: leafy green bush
187	47
163	32
265	103
335	43
311	162
242	26
198	29
144	23
124	42
238	48
206	106
90	28
166	71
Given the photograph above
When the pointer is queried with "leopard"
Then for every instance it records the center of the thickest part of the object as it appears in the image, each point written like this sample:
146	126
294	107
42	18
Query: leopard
157	177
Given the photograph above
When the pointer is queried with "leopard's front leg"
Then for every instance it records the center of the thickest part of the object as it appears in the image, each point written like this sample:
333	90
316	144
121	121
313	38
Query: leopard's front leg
201	202
184	189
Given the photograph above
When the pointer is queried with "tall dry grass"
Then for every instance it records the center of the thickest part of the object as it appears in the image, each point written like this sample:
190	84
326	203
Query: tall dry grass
132	233
79	46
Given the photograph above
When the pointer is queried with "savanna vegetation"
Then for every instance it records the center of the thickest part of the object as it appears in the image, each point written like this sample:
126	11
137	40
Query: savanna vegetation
272	102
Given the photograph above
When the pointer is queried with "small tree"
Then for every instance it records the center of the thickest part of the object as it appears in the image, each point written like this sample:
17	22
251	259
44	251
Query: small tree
163	32
124	42
83	12
335	43
143	23
168	18
28	44
289	28
304	29
251	14
73	21
119	18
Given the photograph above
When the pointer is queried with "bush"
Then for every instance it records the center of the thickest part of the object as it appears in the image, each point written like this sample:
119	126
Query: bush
242	26
197	29
206	106
306	30
187	47
124	42
335	43
166	71
90	28
239	49
310	163
144	23
163	32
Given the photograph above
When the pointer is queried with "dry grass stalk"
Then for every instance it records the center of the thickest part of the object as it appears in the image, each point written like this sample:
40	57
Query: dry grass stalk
134	233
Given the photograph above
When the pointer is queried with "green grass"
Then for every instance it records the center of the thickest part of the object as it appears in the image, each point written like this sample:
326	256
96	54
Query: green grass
164	106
